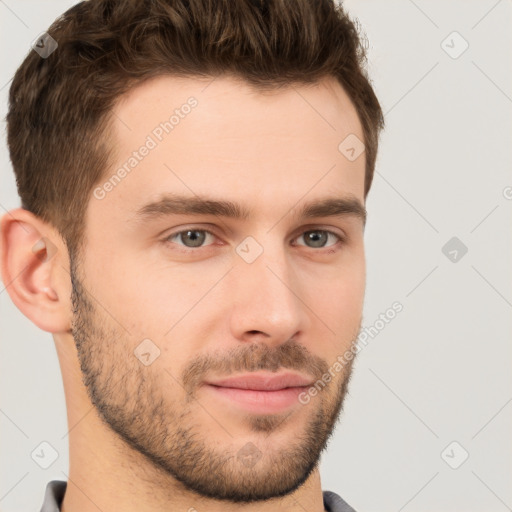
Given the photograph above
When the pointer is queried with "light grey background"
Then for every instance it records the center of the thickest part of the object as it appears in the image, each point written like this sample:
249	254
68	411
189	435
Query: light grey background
439	372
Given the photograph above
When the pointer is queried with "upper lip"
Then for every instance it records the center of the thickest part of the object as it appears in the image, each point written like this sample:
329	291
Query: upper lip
263	381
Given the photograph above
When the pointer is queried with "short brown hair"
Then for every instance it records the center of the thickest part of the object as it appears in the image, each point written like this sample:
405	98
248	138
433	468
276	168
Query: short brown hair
59	116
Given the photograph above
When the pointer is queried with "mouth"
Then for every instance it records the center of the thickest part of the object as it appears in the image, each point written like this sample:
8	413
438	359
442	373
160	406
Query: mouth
261	393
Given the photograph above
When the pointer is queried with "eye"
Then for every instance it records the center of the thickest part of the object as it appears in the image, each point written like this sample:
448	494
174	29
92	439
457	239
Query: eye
318	238
195	238
190	238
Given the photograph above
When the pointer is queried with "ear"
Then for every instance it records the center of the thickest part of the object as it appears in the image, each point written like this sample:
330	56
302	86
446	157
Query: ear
34	265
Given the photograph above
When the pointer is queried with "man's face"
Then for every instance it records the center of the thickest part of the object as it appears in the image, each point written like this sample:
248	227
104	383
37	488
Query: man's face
166	302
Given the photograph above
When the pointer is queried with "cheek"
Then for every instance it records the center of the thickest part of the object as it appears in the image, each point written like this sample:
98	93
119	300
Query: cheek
147	298
340	306
339	301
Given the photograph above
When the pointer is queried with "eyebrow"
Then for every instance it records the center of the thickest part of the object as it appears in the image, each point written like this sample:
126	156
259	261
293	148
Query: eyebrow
174	204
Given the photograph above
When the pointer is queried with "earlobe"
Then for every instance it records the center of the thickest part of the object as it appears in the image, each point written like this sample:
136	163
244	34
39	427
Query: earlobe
31	262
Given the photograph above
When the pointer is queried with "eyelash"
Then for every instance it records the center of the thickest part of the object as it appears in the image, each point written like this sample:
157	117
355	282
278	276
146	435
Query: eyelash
328	249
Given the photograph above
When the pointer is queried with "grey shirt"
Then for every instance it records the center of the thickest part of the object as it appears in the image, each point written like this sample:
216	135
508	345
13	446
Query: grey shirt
56	488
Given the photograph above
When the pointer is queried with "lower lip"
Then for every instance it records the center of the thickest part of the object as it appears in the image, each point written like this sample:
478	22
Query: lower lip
261	402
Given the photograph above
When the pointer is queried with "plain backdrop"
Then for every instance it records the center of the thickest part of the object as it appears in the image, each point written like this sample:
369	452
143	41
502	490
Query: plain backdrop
427	424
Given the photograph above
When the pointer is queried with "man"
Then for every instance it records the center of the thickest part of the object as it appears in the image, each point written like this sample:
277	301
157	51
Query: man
193	178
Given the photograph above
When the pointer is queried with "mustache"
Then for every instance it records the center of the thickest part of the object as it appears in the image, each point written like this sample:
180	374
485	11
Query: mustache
250	358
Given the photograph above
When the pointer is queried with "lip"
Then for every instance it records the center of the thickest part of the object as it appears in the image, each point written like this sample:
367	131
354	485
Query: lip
261	393
264	381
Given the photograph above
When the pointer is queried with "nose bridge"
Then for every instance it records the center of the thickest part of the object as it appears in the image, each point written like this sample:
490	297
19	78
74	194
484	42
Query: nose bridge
265	291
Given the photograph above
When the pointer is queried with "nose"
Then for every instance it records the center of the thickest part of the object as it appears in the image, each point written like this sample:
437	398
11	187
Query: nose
268	303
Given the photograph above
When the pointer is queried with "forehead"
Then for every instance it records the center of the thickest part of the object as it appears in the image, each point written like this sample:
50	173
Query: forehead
220	136
324	101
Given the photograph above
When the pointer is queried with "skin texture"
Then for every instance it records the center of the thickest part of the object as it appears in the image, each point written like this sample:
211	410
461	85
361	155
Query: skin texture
153	437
